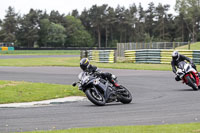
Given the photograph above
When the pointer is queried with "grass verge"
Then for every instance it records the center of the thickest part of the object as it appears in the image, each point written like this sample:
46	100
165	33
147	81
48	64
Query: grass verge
41	52
27	62
174	128
74	62
194	46
20	91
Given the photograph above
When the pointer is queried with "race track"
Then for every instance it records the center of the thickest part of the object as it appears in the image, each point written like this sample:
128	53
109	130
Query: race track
157	99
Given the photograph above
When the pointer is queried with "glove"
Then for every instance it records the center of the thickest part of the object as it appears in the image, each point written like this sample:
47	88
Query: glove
113	76
97	74
193	65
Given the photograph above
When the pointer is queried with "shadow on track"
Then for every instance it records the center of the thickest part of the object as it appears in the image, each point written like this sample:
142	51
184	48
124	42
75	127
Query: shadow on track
184	89
107	105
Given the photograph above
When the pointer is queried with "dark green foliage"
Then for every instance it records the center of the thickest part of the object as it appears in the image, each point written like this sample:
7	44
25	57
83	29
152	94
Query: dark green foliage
103	26
76	33
8	26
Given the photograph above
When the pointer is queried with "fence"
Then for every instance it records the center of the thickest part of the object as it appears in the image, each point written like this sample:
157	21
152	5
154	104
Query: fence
158	56
103	56
121	47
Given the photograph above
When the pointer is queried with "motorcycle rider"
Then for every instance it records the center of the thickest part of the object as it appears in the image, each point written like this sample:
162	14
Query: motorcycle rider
87	67
176	58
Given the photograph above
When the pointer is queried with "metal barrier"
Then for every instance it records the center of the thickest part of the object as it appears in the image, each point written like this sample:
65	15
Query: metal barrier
102	56
121	47
6	48
158	56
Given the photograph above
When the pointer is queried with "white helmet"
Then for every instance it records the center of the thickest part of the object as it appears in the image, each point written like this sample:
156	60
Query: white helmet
175	55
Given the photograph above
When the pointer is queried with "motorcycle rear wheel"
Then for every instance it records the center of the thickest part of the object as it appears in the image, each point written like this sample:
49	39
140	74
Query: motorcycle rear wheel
125	96
191	83
95	98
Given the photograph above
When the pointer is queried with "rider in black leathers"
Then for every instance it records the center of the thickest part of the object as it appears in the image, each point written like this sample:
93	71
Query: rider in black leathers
176	58
87	67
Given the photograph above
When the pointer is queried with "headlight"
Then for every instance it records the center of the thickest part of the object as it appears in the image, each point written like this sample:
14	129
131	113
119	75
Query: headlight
96	81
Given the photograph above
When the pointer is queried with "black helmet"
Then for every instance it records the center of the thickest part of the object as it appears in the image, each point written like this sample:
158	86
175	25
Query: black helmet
175	55
84	63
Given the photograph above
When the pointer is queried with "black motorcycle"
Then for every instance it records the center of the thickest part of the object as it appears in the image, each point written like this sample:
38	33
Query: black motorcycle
100	91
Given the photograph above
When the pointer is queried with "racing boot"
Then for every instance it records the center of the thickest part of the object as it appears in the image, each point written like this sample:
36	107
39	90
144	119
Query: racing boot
115	84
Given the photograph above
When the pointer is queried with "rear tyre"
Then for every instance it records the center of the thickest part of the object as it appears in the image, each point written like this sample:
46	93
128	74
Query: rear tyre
192	83
95	97
124	95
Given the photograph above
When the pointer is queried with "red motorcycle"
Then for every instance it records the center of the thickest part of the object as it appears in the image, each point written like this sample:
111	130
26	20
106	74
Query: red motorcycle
188	75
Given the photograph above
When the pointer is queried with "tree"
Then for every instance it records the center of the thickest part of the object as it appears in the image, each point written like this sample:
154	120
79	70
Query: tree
43	32
75	13
27	33
9	26
190	11
85	19
149	20
56	17
103	26
76	33
139	25
55	36
120	18
135	24
161	17
96	14
110	26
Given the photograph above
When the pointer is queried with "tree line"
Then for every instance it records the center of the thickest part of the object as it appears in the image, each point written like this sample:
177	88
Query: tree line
102	26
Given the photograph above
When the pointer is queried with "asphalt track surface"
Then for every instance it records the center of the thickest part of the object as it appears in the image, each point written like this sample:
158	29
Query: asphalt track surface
157	99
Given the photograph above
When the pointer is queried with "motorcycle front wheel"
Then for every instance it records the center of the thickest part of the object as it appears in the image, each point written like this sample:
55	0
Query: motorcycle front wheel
95	97
124	95
192	83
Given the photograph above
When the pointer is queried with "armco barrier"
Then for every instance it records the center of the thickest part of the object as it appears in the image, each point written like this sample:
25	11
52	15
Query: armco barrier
148	56
6	48
103	56
130	55
121	47
11	48
196	56
143	56
158	55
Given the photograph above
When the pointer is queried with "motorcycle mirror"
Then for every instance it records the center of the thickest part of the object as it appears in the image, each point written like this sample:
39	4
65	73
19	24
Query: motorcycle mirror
74	84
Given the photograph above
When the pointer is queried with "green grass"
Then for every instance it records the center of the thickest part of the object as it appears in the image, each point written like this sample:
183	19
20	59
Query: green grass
174	128
74	62
27	62
41	52
194	46
20	91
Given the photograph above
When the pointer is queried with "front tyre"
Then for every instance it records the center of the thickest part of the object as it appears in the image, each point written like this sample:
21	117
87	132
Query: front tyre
95	97
192	83
124	96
